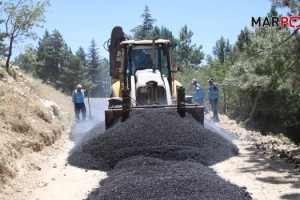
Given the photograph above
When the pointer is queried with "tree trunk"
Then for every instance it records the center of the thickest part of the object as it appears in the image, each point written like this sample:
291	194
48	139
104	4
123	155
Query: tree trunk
253	109
9	54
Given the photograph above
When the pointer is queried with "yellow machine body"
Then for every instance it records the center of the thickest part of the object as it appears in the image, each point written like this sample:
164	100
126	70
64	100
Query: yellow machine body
136	85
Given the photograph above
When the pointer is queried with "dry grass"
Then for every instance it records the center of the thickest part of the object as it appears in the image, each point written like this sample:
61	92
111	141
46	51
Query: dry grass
32	115
2	163
3	73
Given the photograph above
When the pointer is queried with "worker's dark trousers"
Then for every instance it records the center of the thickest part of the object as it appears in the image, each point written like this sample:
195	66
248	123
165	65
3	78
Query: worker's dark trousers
214	106
80	107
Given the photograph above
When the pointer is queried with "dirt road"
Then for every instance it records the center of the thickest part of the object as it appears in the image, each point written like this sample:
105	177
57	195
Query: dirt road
53	178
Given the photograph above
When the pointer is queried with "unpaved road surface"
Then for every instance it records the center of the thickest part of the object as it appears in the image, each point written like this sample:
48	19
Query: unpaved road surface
53	178
264	178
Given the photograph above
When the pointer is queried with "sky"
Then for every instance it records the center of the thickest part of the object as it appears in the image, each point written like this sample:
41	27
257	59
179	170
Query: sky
80	21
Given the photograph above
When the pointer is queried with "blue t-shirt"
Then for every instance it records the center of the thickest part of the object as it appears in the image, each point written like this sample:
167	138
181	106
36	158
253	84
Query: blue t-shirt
200	94
213	92
79	96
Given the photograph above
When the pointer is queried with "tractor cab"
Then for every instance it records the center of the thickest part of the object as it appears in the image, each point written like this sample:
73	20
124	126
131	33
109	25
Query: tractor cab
142	78
147	54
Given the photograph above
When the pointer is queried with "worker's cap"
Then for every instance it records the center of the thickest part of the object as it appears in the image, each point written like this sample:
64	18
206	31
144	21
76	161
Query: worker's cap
79	86
210	80
194	80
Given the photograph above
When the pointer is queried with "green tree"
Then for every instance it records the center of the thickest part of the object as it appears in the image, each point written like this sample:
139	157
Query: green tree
141	32
154	33
27	61
105	78
163	33
263	79
51	52
2	36
148	21
94	68
21	17
286	73
82	55
243	41
72	73
167	34
222	50
293	5
188	54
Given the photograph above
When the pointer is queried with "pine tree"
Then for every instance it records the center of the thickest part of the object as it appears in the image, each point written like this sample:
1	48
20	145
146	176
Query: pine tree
188	54
82	55
51	53
184	45
155	33
243	41
222	50
162	33
105	78
141	32
167	34
94	68
72	73
147	22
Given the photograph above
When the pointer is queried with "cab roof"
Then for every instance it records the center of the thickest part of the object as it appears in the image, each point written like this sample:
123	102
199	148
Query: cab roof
145	42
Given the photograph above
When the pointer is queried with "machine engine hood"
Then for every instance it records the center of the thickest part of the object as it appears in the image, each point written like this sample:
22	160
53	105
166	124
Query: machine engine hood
146	75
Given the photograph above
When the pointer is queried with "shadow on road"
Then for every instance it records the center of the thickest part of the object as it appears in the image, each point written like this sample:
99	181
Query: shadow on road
262	162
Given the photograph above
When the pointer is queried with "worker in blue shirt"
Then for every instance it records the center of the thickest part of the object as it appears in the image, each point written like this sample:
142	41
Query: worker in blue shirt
213	96
78	100
198	93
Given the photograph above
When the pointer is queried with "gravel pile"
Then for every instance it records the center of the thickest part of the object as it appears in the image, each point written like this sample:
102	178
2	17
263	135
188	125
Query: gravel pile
156	154
159	133
153	178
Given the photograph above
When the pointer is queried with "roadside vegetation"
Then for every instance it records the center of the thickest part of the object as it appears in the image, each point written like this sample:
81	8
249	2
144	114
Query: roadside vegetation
32	115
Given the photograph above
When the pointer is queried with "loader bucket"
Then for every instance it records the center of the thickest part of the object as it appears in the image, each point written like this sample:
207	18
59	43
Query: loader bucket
196	111
113	114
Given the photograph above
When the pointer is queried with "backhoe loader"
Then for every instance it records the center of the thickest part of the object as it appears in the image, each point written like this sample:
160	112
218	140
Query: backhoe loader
136	84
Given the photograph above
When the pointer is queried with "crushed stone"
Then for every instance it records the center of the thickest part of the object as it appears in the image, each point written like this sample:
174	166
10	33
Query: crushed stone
156	154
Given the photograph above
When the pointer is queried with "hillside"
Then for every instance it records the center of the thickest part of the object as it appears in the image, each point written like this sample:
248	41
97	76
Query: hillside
33	115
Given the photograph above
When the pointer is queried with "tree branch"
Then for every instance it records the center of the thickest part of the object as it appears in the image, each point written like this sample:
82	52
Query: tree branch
282	42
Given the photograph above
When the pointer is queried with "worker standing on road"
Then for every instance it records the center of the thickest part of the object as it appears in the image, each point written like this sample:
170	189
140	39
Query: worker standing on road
198	93
213	96
78	100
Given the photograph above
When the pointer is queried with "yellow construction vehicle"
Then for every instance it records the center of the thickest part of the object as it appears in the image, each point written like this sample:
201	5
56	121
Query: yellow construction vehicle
142	77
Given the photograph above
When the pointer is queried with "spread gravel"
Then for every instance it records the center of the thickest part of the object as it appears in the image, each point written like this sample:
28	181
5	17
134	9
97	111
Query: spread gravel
153	178
156	154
